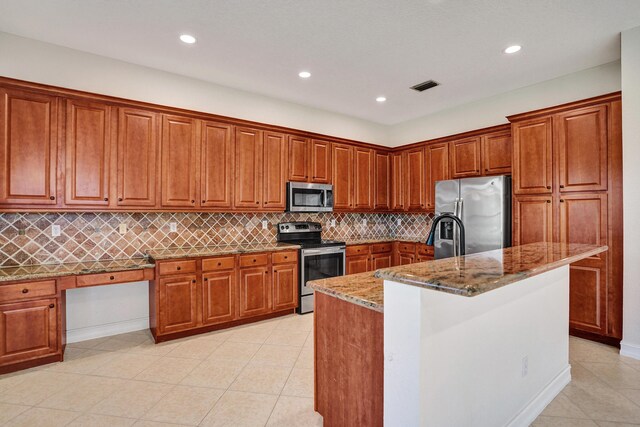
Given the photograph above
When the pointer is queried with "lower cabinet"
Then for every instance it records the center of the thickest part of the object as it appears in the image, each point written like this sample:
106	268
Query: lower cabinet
379	261
29	330
587	294
218	297
178	303
357	264
363	258
285	286
255	291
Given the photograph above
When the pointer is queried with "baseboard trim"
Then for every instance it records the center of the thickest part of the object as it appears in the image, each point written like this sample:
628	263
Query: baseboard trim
107	330
630	350
535	407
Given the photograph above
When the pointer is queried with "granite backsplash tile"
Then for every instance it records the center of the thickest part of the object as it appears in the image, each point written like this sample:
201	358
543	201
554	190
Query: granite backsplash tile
25	238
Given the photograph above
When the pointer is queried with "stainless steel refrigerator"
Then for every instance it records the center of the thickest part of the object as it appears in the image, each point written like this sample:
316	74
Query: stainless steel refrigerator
483	205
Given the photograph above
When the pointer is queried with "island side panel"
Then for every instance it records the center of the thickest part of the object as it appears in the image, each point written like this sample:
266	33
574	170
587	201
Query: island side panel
349	362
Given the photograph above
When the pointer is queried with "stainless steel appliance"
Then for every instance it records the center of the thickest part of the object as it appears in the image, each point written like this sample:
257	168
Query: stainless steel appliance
319	259
484	207
309	197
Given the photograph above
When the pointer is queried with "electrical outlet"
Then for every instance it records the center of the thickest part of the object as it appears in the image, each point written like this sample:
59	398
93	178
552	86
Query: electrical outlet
364	222
122	229
55	230
333	222
398	221
525	366
173	227
265	223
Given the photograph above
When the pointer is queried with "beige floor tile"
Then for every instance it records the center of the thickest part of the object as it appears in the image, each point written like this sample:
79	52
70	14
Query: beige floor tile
85	363
294	412
195	349
8	381
544	421
303	323
148	423
610	424
88	344
84	394
588	351
634	363
293	338
39	386
277	355
236	351
123	342
214	373
250	334
305	359
169	370
184	405
602	403
152	349
43	417
95	420
240	409
125	365
259	378
616	375
561	406
8	411
631	394
300	383
133	400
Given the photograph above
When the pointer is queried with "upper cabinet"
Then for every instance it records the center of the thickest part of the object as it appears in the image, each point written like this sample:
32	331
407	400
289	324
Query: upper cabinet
382	189
496	153
274	177
309	160
299	164
179	163
364	178
532	156
216	165
398	181
248	165
28	148
415	180
437	161
320	161
465	158
342	162
87	153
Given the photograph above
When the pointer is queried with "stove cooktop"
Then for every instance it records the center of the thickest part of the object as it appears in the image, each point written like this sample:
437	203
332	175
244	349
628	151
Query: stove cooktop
310	244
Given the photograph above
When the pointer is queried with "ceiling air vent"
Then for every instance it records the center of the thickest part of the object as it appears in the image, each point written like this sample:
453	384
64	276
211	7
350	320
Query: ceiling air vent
421	87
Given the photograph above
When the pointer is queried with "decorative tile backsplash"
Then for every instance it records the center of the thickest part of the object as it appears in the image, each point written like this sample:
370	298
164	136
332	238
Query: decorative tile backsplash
27	238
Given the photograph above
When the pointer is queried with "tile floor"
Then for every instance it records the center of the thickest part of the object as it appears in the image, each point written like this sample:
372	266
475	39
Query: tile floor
254	375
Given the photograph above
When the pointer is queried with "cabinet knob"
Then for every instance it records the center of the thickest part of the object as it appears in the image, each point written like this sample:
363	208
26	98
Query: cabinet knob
548	201
111	277
254	260
51	305
178	268
561	186
219	264
25	290
206	279
486	170
257	203
52	197
203	202
548	187
561	200
193	281
286	257
119	199
193	201
106	199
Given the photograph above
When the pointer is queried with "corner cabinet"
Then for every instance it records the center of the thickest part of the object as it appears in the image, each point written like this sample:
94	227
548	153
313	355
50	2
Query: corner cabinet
343	164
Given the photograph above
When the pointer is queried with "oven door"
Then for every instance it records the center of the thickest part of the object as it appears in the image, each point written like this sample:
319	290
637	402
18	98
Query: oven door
315	264
305	197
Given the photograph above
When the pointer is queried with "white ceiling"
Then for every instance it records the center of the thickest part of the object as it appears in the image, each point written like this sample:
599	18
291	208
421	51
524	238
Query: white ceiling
356	49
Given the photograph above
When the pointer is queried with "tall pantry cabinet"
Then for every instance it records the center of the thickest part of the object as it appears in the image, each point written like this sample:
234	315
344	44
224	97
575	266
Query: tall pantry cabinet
567	174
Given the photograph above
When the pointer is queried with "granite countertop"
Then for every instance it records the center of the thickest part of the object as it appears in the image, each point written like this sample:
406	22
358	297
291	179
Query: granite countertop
366	241
475	274
41	271
363	289
192	252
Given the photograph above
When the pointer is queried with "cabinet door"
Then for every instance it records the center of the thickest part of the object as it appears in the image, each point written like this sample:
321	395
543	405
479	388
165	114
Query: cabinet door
179	164
320	161
532	219
587	298
415	180
275	164
88	153
404	259
216	165
364	178
218	297
582	149
178	303
496	153
248	164
342	176
285	286
299	165
465	158
379	261
382	199
29	329
398	181
532	156
437	160
137	158
255	291
28	148
357	264
583	219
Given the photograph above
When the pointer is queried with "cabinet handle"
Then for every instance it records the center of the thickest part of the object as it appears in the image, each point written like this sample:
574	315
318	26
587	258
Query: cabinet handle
178	268
111	277
257	203
486	170
52	197
193	281
286	257
106	199
25	291
51	305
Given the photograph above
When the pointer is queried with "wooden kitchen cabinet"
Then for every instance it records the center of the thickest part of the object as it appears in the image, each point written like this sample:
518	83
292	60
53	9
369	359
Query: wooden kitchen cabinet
218	297
398	181
532	156
216	165
583	219
343	165
285	286
415	180
87	153
587	296
364	178
248	168
465	158
357	264
496	153
29	330
274	165
532	219
179	163
254	291
28	148
382	173
581	136
321	164
138	149
384	260
437	161
177	303
299	162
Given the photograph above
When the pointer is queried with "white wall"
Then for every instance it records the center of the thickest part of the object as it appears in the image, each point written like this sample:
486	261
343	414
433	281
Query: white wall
35	61
492	111
630	345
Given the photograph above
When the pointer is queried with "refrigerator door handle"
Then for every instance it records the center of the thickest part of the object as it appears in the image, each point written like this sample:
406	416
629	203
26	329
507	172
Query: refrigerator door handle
456	207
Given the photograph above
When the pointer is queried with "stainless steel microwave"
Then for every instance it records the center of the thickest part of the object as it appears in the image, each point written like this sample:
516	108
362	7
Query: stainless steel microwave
306	197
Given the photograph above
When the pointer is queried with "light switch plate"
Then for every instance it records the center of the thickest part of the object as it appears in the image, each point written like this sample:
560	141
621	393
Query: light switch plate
123	228
173	227
398	221
333	222
265	223
55	230
364	222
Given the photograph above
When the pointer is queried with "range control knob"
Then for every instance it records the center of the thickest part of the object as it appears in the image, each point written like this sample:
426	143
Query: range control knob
287	227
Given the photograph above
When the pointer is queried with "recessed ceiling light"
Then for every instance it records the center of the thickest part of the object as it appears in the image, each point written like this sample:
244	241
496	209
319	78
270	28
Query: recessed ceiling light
513	49
304	74
186	38
381	99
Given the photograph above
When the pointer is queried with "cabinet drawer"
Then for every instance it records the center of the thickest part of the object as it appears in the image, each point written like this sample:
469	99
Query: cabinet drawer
222	263
407	248
284	257
27	290
379	248
424	249
357	250
174	267
107	278
254	260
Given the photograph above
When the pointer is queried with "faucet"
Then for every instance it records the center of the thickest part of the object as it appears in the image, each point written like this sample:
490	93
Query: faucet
434	225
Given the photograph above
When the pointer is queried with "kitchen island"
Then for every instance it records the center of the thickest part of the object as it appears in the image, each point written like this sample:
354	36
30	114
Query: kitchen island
474	340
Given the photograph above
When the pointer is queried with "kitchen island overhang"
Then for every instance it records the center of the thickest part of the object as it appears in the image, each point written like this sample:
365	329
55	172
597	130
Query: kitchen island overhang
476	340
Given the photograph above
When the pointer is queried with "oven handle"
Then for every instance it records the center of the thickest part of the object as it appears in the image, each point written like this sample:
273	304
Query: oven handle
311	252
